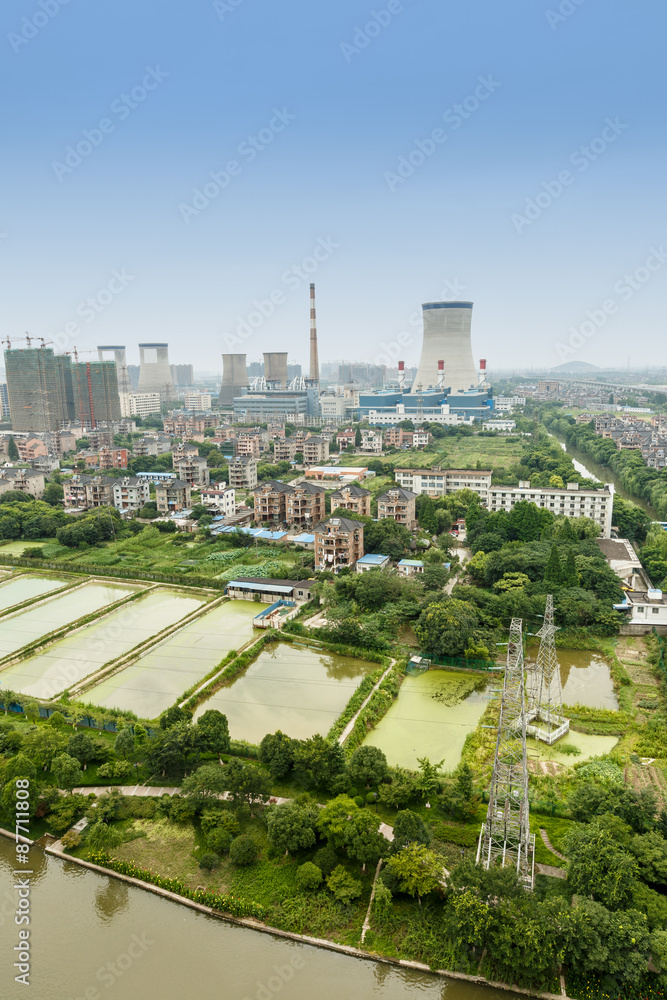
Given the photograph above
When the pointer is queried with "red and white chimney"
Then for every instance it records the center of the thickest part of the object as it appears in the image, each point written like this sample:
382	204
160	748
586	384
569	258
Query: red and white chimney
401	375
441	374
482	371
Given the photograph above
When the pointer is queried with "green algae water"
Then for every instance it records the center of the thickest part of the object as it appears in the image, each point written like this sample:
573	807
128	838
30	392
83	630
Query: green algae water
300	691
25	588
431	717
94	937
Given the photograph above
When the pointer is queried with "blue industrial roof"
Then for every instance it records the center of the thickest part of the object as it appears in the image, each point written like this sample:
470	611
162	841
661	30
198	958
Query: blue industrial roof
373	558
303	537
411	562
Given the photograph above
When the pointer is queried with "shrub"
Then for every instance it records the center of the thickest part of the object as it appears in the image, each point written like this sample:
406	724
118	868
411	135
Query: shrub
343	886
244	850
70	840
308	876
569	748
219	840
326	860
209	861
359	800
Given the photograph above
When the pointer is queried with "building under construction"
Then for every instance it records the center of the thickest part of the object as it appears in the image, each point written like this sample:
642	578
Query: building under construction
95	388
39	386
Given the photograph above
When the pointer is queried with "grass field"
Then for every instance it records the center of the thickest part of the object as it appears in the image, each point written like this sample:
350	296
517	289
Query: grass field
455	453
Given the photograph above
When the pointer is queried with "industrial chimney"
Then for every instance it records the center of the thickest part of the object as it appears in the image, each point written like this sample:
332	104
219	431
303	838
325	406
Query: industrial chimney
482	371
441	374
314	362
401	375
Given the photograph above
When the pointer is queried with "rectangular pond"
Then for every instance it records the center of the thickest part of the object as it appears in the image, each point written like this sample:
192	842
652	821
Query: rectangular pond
431	717
296	689
26	587
154	681
585	678
72	658
24	627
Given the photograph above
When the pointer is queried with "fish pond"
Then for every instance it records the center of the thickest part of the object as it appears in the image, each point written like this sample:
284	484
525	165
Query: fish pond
27	587
297	689
585	678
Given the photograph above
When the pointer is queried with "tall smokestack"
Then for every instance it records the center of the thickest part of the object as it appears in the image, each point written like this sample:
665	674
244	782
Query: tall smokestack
401	375
314	362
482	371
441	374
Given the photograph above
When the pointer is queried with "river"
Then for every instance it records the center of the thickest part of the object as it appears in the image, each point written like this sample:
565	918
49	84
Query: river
584	464
92	936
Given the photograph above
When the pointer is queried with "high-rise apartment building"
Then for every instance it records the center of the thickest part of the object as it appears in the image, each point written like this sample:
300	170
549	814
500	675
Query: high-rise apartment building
39	388
95	388
182	375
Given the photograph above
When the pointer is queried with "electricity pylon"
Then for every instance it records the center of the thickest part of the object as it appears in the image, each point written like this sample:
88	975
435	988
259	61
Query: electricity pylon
505	838
545	718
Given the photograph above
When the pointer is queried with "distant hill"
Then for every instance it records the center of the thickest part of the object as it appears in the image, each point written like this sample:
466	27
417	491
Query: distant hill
576	366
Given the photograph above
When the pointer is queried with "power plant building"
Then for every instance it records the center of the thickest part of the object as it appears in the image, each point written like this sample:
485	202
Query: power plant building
155	370
447	389
120	360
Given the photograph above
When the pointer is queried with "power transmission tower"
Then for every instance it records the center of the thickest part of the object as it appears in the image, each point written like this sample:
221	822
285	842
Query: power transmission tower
545	720
505	838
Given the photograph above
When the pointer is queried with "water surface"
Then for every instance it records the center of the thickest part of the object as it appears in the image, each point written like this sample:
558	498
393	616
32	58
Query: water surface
585	678
154	681
82	921
26	587
71	659
431	717
24	627
298	690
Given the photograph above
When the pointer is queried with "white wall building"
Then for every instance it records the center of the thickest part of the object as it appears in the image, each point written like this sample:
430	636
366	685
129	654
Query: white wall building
570	502
197	401
130	493
139	404
503	404
437	483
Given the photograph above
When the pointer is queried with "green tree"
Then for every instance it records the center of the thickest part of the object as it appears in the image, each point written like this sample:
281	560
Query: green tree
244	850
368	766
308	876
553	574
12	450
208	782
42	744
598	867
125	743
53	494
67	771
246	784
213	731
344	887
363	842
317	762
429	780
82	747
333	819
409	828
276	751
445	628
417	869
291	827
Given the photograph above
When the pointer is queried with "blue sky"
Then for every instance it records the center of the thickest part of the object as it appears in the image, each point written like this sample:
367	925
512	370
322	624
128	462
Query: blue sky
499	205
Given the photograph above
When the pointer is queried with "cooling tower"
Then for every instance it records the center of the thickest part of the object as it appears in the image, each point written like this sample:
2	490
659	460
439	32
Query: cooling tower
121	364
275	367
155	371
234	378
447	335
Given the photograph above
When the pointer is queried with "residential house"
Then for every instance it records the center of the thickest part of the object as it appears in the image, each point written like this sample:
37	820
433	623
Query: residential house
398	504
130	493
306	504
352	498
172	496
243	473
271	502
339	542
315	450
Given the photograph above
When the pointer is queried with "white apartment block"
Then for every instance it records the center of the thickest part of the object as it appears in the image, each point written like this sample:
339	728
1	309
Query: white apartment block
439	482
503	404
333	407
198	401
139	404
371	442
569	502
220	498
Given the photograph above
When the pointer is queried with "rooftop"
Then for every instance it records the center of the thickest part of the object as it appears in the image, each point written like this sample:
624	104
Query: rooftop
410	562
344	522
372	559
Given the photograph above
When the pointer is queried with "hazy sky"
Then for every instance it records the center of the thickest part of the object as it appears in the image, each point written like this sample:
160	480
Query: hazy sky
540	190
